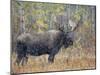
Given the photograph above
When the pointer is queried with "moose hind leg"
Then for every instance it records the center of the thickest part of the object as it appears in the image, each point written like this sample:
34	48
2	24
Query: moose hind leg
18	59
24	60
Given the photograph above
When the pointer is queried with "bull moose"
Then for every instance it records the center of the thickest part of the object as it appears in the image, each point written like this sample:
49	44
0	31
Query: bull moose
36	44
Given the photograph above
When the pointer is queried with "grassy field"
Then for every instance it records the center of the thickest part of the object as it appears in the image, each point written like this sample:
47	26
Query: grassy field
67	59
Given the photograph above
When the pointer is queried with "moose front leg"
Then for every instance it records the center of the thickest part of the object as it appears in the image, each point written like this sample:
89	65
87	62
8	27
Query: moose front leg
52	55
51	58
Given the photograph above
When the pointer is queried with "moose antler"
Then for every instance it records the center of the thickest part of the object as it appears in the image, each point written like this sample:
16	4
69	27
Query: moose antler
75	25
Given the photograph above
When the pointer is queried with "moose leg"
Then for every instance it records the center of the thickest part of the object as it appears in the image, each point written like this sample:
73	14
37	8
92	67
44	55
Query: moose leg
51	58
24	60
18	59
52	54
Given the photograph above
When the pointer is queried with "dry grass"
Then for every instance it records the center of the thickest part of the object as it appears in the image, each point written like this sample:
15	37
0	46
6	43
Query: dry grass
69	59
